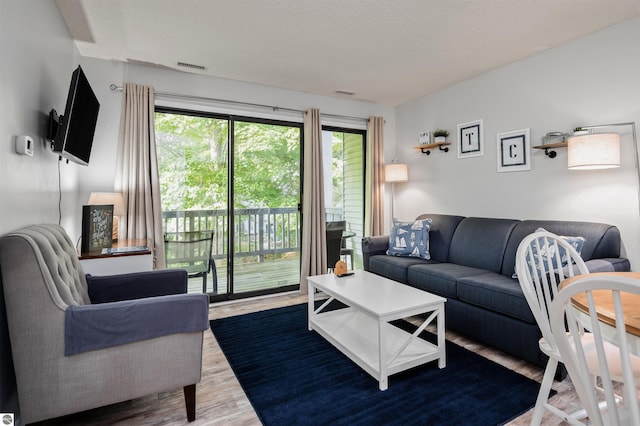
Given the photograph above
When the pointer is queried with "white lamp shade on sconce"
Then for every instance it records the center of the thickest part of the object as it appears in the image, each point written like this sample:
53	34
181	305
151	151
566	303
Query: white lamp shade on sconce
396	173
593	151
106	198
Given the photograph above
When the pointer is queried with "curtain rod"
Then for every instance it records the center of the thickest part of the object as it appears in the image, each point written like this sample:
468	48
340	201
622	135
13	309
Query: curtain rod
273	108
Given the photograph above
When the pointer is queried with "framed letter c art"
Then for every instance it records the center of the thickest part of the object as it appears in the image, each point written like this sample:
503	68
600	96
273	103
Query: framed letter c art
514	151
470	139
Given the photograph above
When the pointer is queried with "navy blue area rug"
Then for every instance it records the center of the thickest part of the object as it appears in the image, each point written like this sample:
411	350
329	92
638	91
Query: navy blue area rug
293	376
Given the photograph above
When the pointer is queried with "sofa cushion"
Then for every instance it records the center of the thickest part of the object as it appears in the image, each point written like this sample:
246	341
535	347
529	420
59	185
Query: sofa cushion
442	228
410	239
439	278
549	251
480	243
601	240
393	267
497	293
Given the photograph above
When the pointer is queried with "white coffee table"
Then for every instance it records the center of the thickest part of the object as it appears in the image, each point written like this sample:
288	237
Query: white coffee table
362	330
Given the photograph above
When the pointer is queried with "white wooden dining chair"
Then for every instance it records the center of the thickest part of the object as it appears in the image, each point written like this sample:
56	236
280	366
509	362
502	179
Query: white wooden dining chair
543	260
611	345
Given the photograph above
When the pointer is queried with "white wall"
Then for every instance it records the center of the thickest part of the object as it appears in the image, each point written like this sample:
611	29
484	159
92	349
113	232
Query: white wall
38	57
99	176
594	80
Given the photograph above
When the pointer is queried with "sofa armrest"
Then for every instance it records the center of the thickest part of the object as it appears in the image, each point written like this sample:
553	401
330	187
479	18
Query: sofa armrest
372	246
615	264
112	288
93	327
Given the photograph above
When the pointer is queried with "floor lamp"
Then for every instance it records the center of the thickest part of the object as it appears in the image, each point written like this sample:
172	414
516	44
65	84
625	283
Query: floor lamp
395	172
601	151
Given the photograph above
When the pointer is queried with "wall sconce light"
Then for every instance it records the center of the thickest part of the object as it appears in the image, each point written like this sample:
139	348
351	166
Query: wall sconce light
395	172
106	198
601	150
593	151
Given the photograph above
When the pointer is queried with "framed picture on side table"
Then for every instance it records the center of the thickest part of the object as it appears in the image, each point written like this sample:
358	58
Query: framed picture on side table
97	228
470	139
514	151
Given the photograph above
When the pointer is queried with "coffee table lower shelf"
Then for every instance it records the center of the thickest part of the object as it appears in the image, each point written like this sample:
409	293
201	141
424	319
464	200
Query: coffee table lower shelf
366	340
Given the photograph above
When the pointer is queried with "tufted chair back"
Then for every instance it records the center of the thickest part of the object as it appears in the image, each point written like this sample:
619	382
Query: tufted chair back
58	261
128	348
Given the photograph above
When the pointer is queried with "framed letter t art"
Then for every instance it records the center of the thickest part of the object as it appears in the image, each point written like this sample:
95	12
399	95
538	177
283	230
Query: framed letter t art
470	139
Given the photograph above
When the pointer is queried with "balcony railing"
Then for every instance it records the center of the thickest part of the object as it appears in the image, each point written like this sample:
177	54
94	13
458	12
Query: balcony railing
257	232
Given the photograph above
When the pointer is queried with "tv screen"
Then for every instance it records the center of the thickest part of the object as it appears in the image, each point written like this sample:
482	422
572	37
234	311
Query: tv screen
77	126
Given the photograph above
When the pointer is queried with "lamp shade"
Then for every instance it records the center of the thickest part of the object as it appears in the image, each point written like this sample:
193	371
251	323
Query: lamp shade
593	151
396	173
115	198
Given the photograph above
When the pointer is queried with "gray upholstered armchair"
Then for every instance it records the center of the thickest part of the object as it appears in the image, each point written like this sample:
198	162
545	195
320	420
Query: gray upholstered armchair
83	342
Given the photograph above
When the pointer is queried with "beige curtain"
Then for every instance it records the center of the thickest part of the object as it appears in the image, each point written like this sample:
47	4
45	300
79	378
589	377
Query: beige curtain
314	238
374	179
137	170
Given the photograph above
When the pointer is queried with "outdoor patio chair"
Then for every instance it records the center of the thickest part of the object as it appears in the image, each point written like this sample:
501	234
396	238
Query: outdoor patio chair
192	251
334	242
344	250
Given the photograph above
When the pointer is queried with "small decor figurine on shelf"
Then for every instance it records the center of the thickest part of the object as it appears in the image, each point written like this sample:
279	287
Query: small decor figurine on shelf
579	131
440	135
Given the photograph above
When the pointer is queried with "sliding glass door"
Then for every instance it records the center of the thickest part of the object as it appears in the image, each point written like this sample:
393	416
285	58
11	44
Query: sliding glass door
240	178
266	194
344	168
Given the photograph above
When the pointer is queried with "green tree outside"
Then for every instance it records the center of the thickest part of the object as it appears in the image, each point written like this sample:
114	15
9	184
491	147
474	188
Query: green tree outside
193	163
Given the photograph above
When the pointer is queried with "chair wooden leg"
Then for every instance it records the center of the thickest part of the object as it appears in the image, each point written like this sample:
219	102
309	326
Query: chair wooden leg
190	401
543	397
543	393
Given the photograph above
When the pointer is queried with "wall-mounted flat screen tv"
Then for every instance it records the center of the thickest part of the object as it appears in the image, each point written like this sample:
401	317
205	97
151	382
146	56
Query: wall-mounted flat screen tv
75	129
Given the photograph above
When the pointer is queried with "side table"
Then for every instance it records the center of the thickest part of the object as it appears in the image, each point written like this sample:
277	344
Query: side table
124	260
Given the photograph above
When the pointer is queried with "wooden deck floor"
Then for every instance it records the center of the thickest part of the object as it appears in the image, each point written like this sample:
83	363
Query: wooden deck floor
252	276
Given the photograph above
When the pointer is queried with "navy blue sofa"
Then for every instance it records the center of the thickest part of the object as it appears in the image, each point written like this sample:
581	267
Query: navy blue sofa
472	265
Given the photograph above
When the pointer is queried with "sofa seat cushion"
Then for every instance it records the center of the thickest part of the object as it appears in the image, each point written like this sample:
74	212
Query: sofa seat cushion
497	293
394	267
440	278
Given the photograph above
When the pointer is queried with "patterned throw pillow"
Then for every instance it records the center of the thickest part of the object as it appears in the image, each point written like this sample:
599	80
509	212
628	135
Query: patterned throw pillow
410	239
576	242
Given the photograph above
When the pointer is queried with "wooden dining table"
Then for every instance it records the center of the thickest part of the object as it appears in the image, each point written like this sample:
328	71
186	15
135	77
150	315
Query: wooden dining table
605	308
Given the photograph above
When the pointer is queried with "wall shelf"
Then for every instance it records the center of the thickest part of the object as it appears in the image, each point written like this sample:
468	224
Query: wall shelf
426	148
549	146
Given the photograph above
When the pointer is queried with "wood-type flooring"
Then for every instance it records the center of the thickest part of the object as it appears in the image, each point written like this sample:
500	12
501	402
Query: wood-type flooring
221	400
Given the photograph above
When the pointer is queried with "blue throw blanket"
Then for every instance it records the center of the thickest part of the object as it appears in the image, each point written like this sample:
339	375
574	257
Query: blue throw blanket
99	326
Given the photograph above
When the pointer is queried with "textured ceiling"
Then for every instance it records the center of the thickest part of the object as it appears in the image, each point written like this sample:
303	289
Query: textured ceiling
383	51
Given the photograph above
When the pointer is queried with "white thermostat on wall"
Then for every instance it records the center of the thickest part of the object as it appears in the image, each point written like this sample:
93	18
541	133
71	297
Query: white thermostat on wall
24	145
